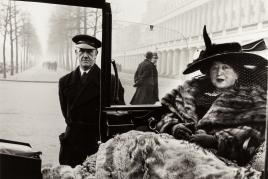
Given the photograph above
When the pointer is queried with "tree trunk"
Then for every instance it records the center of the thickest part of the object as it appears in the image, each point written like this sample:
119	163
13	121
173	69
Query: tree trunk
85	20
58	57
4	42
96	23
67	56
16	38
4	53
78	20
71	56
27	55
11	41
62	58
21	61
24	54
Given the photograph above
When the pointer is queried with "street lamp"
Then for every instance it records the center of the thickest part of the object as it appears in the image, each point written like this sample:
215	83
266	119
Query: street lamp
172	30
151	27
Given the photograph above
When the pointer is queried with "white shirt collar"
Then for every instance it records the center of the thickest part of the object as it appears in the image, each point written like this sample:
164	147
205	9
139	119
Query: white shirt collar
82	71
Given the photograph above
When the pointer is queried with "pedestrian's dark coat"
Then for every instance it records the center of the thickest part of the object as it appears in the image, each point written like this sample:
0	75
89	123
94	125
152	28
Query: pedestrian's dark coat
146	81
80	105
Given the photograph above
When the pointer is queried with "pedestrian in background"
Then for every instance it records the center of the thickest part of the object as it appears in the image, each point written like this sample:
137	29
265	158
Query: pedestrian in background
79	94
146	81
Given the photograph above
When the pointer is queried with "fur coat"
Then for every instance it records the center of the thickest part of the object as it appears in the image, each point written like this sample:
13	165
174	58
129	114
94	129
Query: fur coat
235	116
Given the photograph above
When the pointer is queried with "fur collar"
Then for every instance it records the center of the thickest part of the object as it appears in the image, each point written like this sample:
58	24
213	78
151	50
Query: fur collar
240	106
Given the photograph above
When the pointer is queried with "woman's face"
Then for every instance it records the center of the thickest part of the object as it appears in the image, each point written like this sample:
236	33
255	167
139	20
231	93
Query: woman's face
222	75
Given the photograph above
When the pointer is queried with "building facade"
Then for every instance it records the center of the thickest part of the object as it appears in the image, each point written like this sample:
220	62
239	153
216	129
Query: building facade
175	31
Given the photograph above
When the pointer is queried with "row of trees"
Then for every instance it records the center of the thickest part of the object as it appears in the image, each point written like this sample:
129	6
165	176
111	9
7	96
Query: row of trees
21	48
19	37
66	22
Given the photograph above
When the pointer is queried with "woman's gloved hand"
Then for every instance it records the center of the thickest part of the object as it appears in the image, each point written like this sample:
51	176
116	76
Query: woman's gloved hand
205	140
166	123
180	131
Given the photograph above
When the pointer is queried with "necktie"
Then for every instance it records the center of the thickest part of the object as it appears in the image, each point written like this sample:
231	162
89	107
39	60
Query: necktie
84	77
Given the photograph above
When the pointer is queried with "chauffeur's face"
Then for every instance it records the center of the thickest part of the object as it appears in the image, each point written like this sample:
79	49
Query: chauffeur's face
222	75
86	57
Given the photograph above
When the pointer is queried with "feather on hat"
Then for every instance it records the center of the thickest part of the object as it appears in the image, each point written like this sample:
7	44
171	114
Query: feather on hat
228	52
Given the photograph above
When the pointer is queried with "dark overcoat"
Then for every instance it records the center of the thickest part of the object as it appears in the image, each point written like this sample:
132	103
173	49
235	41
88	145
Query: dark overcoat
146	81
80	105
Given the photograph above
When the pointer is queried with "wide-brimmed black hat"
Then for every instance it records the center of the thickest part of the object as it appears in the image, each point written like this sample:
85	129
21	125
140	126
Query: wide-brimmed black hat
86	42
227	52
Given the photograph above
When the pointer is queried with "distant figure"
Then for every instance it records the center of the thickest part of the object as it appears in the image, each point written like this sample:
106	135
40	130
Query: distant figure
79	94
51	66
146	81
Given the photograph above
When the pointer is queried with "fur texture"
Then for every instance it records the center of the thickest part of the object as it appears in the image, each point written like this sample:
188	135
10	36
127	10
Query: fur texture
148	155
234	116
84	171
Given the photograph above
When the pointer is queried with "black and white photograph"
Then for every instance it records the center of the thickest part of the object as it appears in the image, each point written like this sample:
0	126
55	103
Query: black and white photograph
133	89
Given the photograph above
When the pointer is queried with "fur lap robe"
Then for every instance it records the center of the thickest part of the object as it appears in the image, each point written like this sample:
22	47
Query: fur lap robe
138	154
235	117
84	171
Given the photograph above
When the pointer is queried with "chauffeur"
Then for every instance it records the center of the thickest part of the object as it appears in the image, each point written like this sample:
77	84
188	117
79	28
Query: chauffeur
79	95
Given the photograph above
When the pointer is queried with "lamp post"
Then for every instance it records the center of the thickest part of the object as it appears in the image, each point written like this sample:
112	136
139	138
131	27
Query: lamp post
172	30
152	27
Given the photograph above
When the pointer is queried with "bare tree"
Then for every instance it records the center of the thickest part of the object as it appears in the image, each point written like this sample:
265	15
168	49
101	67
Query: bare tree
16	37
96	26
85	20
91	21
4	28
77	19
29	41
65	23
11	39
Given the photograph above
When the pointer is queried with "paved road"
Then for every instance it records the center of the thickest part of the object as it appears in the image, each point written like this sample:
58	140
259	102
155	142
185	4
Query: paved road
30	112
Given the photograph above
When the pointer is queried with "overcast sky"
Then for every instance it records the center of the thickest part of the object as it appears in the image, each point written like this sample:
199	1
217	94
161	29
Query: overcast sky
125	10
129	10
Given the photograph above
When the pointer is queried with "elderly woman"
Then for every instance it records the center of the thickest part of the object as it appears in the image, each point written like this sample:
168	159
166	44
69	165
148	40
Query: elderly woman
223	110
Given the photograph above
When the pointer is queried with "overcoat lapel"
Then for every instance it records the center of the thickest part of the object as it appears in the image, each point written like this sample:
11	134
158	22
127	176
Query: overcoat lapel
90	89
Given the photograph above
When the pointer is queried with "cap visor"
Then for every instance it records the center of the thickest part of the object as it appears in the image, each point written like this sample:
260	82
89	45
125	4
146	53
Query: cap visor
84	46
